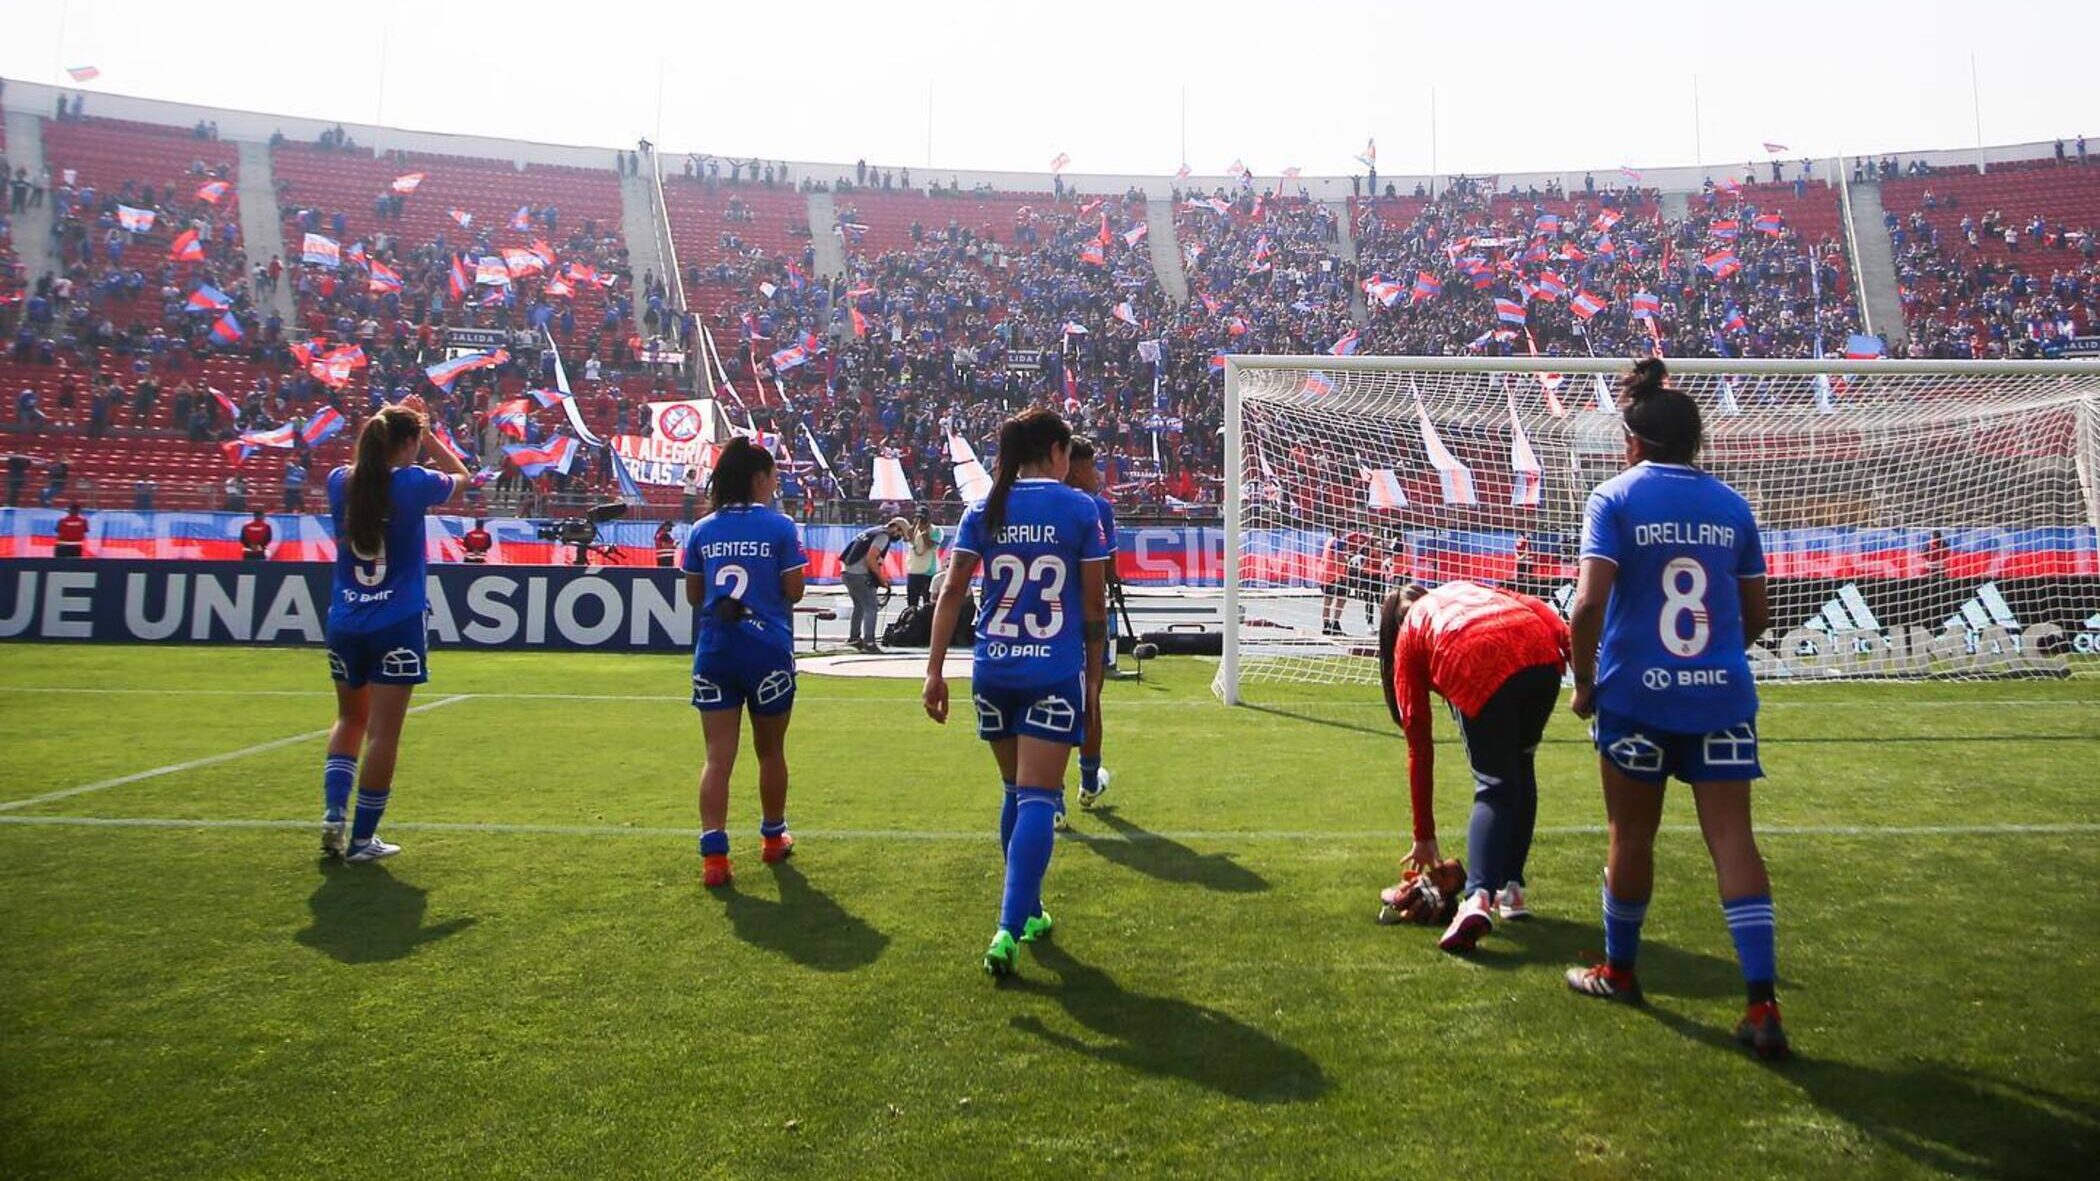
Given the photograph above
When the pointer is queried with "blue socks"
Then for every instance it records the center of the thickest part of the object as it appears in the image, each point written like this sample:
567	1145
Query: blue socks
1089	774
1009	808
714	843
1028	855
371	805
766	828
1622	931
338	774
1750	923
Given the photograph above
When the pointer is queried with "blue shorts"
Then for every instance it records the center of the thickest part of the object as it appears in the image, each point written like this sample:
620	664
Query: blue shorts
393	655
1647	755
1053	712
733	675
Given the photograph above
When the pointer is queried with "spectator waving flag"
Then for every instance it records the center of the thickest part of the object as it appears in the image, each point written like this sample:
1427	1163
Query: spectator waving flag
1075	328
1386	291
1772	147
356	253
1722	263
207	298
1135	235
233	411
1586	305
1370	153
860	322
444	373
456	280
228	330
213	190
383	277
1769	223
1182	173
1606	220
136	221
508	418
1527	487
521	221
443	436
320	251
1726	229
1552	286
519	263
1859	347
1646	305
1728	184
1604	246
1734	321
465	219
546	398
1509	311
407	184
1455	477
1091	254
1058	162
1317	384
325	424
1124	313
1346	345
1630	174
1570	252
556	454
83	73
1547	223
789	357
490	271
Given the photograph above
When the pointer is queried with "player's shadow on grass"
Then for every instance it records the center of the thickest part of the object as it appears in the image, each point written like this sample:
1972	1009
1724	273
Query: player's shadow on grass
362	915
1158	857
1165	1036
806	925
1664	970
1944	1117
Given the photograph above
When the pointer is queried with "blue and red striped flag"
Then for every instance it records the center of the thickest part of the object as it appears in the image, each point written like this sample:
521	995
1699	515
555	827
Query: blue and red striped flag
1426	288
1722	263
509	418
207	298
1734	321
444	373
323	426
1552	286
1346	345
1727	229
458	282
1860	347
557	453
1509	311
1769	223
1646	305
383	278
186	247
1586	305
228	330
213	190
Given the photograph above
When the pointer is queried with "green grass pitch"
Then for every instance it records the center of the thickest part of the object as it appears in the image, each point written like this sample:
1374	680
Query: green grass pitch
538	985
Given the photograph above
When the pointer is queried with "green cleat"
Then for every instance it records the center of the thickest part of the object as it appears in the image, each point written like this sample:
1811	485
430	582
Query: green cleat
1000	956
1037	927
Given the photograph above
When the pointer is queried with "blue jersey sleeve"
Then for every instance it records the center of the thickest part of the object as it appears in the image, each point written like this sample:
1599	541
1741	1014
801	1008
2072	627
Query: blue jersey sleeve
789	547
1600	528
428	488
1750	558
689	559
969	536
1108	521
1094	531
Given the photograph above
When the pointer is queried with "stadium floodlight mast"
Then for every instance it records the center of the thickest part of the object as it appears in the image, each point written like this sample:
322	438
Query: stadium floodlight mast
1919	518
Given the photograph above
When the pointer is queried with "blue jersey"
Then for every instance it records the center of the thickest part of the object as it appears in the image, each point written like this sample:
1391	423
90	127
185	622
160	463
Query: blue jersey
375	591
1107	512
1672	655
1030	619
741	551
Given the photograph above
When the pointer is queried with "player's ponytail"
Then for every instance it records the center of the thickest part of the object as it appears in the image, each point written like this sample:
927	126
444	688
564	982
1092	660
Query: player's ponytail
1391	614
1662	419
736	472
1026	438
366	501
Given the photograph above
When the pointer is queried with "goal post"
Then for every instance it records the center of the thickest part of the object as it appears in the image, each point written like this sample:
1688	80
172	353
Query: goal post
1919	518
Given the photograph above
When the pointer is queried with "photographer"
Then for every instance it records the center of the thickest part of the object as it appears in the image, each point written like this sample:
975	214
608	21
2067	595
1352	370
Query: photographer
924	561
860	568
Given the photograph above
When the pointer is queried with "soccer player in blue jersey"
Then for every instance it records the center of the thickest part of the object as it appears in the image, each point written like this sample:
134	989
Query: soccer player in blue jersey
1041	620
744	570
376	632
1670	593
1085	475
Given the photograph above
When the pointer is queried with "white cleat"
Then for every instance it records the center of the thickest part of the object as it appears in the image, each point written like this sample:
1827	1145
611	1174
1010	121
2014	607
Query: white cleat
1509	902
1087	798
1061	823
371	850
333	834
1475	917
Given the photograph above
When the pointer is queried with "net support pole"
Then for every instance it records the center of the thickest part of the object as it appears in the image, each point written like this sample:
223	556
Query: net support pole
1235	480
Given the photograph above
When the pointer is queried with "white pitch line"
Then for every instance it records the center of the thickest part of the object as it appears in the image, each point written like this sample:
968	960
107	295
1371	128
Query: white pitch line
876	834
206	761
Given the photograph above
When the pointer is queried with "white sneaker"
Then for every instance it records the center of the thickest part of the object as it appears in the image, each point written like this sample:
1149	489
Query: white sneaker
371	850
1475	917
333	833
1509	902
1087	798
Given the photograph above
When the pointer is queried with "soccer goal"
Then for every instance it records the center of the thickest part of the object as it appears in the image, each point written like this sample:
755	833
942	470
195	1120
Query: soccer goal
1921	519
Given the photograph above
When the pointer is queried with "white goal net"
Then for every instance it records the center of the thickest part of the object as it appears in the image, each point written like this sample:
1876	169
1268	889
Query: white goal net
1920	519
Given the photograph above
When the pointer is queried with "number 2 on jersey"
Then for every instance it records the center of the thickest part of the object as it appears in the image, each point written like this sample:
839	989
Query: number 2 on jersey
1684	593
1007	570
735	579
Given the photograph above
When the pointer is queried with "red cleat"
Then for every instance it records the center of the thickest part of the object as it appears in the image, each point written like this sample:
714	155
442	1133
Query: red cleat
1604	984
1760	1030
777	848
714	870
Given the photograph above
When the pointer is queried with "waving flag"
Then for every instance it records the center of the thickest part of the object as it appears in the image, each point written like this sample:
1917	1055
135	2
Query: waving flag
521	221
407	184
1291	173
1075	328
1347	344
1509	311
1726	229
546	398
491	271
213	190
1599	393
233	412
325	424
1182	173
1772	147
1862	348
1235	326
245	444
1317	384
519	263
465	219
1552	286
1386	291
444	373
83	73
1058	162
1092	255
1124	313
1547	223
1135	235
1455	477
1528	485
382	277
1586	305
1729	405
1734	321
1630	174
1646	306
1384	488
320	251
1425	289
557	453
443	436
456	280
1370	153
207	298
1769	223
508	418
789	357
1728	184
136	221
859	321
1722	263
228	330
558	287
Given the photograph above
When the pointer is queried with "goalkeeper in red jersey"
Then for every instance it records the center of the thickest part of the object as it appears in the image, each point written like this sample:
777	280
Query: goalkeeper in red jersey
1496	656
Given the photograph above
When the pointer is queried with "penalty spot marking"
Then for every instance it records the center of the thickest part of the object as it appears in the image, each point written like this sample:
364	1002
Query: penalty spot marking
882	834
206	761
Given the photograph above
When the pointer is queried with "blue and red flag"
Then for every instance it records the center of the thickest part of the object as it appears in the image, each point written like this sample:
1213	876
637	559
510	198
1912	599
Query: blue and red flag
1547	223
1734	321
444	373
136	221
1585	305
546	398
1769	223
443	434
383	277
1509	311
186	247
1317	384
1646	305
1426	288
1860	347
228	330
1726	229
1722	263
522	219
459	282
1346	346
509	417
789	357
321	251
557	453
213	190
1552	286
207	298
323	426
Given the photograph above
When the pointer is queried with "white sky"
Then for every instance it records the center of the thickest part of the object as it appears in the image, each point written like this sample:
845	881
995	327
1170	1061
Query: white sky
1293	82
